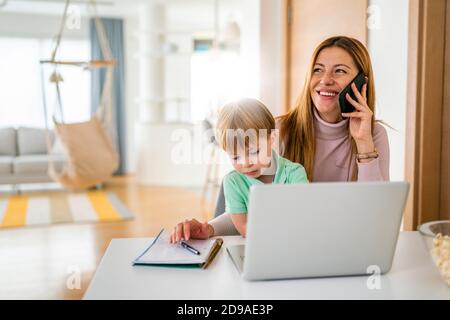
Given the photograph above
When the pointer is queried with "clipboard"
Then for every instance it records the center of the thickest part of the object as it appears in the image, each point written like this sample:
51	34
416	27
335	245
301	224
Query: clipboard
165	254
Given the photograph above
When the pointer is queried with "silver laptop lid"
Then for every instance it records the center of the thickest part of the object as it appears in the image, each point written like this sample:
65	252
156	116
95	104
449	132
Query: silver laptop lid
322	229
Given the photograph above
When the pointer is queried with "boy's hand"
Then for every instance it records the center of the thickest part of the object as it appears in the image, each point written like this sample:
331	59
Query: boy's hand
191	229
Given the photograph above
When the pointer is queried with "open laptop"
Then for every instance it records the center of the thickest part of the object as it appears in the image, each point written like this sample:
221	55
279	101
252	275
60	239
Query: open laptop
320	230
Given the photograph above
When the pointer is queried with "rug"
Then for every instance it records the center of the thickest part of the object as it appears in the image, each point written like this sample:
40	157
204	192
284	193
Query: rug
91	206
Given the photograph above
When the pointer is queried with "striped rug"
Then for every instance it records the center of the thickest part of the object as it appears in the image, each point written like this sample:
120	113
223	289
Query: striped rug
92	206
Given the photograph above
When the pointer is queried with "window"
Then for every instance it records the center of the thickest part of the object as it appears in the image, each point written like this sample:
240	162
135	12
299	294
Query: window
217	77
21	100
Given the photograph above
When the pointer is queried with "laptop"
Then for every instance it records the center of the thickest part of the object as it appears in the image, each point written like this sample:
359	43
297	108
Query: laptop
320	230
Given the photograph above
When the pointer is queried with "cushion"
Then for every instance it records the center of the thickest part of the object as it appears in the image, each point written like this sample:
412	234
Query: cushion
6	164
31	141
8	142
36	163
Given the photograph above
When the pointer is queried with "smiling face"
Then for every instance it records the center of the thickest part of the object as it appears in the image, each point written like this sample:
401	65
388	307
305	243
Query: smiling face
333	70
253	158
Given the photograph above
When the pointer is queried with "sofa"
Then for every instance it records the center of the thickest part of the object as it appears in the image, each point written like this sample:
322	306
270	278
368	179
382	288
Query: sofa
24	157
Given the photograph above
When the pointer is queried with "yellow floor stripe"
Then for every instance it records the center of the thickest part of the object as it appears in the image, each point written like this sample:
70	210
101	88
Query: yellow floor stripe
103	208
16	212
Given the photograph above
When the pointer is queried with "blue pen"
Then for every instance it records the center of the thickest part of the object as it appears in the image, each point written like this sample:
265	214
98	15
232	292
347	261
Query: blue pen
189	248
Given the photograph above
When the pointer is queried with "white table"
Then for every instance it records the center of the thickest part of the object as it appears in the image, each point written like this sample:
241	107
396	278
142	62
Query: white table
413	276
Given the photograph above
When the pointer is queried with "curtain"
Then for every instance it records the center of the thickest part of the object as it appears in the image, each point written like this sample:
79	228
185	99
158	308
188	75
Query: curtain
114	33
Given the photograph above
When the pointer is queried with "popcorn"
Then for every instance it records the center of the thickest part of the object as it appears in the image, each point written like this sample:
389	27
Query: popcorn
441	255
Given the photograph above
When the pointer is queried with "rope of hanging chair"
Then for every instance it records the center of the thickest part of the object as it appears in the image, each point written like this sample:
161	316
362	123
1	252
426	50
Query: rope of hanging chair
61	29
104	45
104	112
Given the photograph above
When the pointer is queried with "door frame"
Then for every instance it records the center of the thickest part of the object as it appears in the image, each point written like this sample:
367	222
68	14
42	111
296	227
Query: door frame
425	94
285	56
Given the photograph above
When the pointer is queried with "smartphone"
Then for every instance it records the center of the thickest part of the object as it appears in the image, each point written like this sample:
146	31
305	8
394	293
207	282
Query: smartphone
346	106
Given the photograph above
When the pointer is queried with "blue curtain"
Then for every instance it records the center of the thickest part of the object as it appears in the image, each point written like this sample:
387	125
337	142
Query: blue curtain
114	32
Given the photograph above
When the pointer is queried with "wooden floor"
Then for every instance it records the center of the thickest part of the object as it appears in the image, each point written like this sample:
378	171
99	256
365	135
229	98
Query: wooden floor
39	262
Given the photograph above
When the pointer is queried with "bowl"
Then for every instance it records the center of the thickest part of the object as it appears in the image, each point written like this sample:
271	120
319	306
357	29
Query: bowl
437	238
431	229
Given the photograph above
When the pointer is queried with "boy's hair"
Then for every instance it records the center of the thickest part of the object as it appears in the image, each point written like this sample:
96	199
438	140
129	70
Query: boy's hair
242	122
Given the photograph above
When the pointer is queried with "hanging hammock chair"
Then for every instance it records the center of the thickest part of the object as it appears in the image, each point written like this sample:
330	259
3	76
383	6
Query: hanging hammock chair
91	157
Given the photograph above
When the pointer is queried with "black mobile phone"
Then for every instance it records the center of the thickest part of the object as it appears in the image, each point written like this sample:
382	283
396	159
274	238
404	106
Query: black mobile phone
346	106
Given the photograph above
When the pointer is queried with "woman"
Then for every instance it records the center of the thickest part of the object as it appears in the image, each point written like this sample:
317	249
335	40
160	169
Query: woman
332	146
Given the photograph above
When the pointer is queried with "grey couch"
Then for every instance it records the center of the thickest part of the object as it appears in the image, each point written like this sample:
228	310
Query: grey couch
24	157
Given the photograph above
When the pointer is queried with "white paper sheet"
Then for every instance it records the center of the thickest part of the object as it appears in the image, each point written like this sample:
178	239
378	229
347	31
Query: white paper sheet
164	252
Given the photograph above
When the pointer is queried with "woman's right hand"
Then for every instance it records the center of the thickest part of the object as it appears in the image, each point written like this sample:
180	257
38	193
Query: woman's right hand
191	229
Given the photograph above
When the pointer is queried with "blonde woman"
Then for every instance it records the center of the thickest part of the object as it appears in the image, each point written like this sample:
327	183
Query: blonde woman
330	145
246	132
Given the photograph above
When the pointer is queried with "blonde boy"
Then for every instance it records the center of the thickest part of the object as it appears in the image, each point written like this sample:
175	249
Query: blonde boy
246	131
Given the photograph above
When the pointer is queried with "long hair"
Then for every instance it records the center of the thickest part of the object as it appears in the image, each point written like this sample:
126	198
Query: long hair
297	126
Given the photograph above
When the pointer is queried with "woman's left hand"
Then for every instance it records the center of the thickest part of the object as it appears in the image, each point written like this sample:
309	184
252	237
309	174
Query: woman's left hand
361	120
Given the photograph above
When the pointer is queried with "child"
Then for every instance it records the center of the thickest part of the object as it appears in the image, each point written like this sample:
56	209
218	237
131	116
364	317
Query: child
246	131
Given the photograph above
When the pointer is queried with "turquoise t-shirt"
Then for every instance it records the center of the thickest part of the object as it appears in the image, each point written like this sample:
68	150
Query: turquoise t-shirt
236	185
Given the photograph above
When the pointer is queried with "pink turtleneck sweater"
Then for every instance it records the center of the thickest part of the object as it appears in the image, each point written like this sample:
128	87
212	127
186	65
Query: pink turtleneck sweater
333	161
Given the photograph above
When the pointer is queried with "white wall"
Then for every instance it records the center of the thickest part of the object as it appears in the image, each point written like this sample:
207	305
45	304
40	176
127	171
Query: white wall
186	19
388	45
271	55
250	20
183	21
37	26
